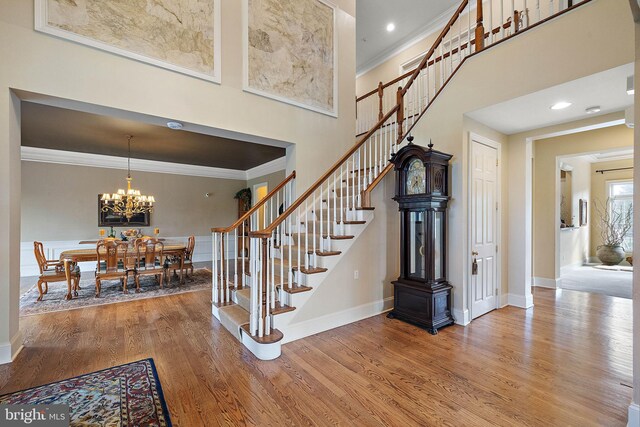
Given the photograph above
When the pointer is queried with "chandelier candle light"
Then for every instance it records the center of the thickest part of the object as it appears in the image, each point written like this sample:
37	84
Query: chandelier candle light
130	202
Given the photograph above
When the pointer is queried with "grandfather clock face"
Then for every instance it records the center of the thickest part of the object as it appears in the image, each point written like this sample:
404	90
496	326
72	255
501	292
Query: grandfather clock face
415	177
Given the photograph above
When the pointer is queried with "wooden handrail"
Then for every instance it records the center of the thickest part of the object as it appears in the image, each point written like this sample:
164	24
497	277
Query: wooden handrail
443	33
256	207
266	232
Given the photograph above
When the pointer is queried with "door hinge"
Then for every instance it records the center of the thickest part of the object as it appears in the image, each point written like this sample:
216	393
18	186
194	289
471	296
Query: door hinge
497	162
496	205
496	248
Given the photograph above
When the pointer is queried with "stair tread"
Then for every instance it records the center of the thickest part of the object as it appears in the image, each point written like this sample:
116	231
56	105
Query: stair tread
339	236
273	337
312	270
279	308
327	253
296	288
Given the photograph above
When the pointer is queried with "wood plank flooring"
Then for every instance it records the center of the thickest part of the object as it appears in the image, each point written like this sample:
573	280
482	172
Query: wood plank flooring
560	363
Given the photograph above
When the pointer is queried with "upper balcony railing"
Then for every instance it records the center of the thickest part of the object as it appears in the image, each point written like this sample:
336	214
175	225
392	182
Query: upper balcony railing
472	31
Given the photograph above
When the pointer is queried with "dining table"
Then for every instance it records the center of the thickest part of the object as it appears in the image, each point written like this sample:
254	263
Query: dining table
73	256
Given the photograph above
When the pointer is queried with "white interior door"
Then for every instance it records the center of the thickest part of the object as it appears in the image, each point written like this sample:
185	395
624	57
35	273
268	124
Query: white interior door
484	217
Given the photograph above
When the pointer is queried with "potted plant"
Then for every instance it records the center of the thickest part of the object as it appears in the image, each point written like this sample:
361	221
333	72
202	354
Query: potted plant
244	198
614	223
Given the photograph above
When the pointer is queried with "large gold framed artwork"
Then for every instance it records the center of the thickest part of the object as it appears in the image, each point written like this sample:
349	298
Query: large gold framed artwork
290	52
182	36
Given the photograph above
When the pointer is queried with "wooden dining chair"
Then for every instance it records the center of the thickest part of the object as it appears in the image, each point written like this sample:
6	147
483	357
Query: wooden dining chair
53	271
175	263
149	260
112	265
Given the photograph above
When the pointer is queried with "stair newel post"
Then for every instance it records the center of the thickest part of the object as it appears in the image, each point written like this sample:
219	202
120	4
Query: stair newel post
400	113
264	277
380	96
479	28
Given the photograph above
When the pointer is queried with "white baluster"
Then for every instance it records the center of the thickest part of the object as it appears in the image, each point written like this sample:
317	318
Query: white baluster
315	236
226	255
235	258
491	35
272	285
306	235
214	270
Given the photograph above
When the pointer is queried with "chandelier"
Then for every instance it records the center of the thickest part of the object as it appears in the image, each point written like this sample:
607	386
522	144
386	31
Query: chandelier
130	202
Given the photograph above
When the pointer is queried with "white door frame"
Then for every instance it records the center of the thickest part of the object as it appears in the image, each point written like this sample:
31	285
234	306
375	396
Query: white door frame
486	141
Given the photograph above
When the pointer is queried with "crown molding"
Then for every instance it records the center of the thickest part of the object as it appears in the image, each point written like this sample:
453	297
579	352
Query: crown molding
435	25
45	155
267	168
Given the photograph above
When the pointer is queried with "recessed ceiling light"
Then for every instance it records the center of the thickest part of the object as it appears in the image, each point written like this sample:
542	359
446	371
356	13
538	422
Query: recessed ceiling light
391	26
175	125
560	105
630	88
594	109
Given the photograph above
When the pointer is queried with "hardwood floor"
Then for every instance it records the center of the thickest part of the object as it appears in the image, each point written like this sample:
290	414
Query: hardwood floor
560	363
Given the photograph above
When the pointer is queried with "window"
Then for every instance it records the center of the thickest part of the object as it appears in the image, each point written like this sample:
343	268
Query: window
621	196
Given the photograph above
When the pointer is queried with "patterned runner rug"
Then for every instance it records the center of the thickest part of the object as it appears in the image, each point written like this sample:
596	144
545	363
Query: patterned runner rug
125	395
111	292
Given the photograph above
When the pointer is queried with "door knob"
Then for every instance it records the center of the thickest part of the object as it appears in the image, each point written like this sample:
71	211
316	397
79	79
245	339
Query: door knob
474	253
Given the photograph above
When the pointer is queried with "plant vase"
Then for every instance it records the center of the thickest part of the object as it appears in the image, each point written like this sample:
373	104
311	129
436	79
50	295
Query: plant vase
610	255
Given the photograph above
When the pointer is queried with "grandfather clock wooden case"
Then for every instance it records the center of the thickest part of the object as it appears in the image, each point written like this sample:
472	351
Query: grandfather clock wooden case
422	293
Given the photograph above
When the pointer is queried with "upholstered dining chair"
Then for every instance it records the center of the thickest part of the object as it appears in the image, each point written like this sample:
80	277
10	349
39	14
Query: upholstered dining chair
174	263
112	256
52	271
149	260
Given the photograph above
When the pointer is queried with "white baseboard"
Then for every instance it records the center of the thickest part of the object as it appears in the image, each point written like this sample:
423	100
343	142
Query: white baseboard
522	301
9	350
324	323
634	415
461	317
504	300
543	282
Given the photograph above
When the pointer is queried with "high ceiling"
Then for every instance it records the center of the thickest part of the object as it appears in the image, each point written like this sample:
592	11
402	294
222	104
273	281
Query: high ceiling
56	128
411	19
606	90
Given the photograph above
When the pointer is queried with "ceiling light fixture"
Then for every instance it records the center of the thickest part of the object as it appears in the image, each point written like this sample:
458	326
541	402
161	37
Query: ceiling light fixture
129	202
391	26
560	105
630	89
594	109
175	125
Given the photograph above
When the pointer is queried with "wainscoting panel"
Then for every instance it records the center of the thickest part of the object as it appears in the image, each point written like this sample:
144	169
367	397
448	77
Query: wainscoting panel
53	248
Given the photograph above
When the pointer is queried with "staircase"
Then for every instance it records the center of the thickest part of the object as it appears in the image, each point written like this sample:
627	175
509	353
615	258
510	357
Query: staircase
293	243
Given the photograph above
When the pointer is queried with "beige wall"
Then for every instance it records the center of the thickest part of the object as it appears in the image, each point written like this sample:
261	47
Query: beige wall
546	176
59	202
599	193
574	241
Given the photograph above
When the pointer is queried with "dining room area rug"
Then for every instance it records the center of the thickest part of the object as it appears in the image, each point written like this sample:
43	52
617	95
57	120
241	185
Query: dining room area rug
124	395
111	292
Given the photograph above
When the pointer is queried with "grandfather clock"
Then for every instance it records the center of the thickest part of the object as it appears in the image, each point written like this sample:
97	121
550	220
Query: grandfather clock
422	294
